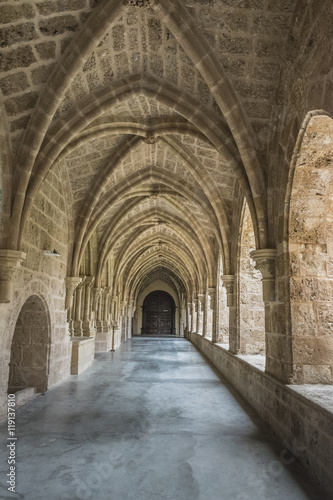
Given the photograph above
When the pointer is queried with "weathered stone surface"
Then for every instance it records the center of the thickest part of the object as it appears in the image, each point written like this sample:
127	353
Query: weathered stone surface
15	83
51	7
46	50
22	103
58	25
17	58
19	33
12	13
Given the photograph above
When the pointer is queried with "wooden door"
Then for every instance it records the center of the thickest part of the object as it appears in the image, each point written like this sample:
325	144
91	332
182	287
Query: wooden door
158	314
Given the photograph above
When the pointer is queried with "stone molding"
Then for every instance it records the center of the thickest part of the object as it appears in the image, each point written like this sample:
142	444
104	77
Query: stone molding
10	261
265	260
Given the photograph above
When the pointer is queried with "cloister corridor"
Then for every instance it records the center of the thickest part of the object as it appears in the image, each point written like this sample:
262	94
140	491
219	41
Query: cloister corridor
151	421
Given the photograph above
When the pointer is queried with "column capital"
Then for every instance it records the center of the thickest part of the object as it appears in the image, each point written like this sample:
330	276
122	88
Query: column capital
10	261
228	281
89	281
265	260
71	282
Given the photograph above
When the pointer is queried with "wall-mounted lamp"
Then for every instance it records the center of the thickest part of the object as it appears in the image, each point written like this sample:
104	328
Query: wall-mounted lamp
51	253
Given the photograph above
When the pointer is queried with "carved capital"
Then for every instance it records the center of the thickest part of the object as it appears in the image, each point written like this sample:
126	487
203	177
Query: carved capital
265	260
10	261
228	281
89	281
71	283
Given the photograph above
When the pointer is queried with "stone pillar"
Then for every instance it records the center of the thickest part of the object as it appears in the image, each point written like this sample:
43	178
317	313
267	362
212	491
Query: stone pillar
194	315
265	263
130	314
201	313
106	322
213	308
87	324
123	307
10	261
265	260
99	311
228	281
188	317
78	332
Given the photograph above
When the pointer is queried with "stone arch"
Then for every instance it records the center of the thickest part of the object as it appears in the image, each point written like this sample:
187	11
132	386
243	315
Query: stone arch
309	241
251	318
29	361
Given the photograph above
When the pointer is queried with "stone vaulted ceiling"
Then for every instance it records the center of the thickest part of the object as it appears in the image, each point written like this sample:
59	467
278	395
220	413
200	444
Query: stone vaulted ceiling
157	114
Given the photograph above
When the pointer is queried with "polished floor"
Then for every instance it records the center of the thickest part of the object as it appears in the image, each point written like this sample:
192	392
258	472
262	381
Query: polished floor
151	421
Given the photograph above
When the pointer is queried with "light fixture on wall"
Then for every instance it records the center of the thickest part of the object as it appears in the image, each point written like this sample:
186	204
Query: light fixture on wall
51	253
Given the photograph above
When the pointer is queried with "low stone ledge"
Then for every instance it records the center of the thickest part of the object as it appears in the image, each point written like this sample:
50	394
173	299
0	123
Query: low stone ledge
83	352
296	414
103	341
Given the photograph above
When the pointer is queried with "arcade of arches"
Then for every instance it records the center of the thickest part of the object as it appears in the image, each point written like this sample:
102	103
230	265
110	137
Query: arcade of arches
183	148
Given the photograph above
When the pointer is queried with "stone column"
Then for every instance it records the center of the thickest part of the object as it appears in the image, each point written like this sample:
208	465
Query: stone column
95	300
212	307
188	317
87	324
10	261
265	260
194	315
99	311
201	313
78	332
123	307
265	263
130	314
106	323
228	281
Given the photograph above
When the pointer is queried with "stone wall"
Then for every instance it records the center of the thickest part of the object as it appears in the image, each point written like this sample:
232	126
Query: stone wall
304	427
42	276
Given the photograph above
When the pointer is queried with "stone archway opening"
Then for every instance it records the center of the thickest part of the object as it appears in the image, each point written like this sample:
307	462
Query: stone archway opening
310	248
28	365
251	306
158	314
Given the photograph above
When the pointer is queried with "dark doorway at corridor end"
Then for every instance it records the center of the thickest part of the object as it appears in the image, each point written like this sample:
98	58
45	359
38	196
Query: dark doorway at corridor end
158	314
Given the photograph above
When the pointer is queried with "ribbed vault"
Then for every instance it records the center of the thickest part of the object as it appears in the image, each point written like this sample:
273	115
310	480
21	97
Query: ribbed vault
154	130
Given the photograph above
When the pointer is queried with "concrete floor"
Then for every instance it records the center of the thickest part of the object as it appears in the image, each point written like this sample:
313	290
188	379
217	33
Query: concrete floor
151	421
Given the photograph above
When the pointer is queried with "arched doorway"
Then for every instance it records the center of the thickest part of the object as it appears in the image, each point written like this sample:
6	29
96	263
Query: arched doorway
28	365
158	314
